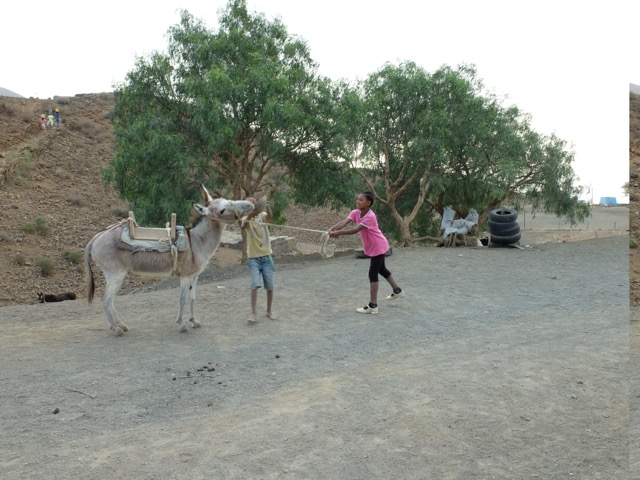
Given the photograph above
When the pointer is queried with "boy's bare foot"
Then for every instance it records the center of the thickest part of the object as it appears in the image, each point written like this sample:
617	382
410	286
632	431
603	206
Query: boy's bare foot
252	318
272	316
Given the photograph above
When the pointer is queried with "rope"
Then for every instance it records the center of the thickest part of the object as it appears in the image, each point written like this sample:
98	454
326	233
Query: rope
326	250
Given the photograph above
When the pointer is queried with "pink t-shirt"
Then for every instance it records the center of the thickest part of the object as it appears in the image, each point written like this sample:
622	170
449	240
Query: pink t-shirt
373	241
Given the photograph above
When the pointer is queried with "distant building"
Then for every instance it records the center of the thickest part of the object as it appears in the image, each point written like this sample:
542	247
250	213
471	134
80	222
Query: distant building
608	202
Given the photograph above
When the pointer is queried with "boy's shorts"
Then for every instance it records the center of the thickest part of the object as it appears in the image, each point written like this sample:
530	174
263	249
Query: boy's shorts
262	270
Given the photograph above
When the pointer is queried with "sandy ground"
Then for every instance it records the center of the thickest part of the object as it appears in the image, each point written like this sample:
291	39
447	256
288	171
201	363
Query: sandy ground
500	363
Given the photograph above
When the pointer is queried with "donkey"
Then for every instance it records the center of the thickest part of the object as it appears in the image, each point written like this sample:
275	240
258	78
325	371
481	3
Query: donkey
203	239
60	297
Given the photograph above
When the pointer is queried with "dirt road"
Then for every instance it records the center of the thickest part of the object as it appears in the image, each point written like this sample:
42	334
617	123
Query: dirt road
500	363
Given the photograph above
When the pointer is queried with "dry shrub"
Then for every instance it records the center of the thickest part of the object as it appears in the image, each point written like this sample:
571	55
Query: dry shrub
88	127
73	256
41	226
46	266
77	200
120	212
7	110
28	228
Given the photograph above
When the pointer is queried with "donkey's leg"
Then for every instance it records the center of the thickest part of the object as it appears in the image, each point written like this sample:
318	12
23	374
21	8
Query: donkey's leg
114	280
184	289
192	303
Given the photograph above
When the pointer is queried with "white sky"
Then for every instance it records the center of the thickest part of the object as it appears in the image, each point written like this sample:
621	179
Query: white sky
567	63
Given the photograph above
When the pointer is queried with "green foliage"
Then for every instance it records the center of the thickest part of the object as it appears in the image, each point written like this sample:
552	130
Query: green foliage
28	228
435	140
633	243
19	162
20	259
41	226
46	266
240	109
38	226
73	256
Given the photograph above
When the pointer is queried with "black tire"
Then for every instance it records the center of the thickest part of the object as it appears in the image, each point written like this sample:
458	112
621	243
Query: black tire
504	229
503	215
506	240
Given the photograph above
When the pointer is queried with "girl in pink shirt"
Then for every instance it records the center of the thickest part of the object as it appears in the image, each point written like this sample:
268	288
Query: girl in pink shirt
375	246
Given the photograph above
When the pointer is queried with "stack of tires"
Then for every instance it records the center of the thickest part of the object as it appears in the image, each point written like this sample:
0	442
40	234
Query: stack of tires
503	227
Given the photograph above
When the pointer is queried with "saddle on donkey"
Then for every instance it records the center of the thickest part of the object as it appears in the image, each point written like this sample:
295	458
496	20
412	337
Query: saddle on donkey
144	239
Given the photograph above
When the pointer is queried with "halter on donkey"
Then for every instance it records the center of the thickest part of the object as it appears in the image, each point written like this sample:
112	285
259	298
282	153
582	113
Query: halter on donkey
203	238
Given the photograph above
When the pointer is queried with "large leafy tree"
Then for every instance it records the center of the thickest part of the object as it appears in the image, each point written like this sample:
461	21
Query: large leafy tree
241	109
435	140
492	156
396	156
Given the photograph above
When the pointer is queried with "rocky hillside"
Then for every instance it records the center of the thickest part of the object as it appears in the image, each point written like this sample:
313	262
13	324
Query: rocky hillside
53	200
634	198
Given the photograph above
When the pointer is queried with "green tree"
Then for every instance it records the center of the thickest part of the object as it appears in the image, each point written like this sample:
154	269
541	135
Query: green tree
435	140
493	157
394	153
240	109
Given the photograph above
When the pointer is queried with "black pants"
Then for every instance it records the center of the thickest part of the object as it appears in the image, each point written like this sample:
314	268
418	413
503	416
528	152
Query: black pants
376	267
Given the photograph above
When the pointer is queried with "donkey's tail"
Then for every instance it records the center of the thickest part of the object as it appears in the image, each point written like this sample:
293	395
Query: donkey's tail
88	272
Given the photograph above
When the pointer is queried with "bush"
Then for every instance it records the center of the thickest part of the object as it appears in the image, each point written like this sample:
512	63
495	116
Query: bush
73	256
41	226
120	212
88	127
46	266
28	228
77	200
20	259
633	243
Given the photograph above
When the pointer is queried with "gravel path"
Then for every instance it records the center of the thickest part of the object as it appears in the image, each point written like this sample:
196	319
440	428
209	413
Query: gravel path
500	363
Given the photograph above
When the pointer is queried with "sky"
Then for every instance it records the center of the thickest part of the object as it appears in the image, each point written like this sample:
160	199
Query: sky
567	64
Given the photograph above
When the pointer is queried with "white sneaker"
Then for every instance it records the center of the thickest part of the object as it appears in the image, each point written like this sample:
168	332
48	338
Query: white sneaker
367	309
396	296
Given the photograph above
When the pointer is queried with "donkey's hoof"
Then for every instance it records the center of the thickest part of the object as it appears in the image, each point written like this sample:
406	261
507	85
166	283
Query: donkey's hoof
184	329
195	323
123	327
118	332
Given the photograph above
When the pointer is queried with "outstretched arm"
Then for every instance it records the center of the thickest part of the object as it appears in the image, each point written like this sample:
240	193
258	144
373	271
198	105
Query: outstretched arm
340	225
338	232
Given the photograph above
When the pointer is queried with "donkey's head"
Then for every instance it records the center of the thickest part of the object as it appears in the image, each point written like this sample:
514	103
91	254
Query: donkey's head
221	209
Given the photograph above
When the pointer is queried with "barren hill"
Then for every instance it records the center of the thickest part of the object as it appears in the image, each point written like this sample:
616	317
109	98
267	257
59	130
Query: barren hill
50	180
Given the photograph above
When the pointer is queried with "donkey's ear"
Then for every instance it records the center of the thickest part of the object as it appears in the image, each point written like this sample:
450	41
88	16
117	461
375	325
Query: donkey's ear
205	193
199	208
